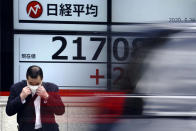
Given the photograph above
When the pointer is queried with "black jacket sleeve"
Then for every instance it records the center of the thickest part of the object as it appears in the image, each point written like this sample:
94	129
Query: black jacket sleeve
14	103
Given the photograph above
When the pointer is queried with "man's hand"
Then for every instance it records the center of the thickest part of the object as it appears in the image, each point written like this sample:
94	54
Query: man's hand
41	91
25	92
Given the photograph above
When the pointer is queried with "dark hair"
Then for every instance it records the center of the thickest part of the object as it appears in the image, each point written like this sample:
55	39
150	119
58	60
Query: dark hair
34	71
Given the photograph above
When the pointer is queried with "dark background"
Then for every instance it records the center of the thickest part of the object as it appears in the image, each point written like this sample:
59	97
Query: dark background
6	42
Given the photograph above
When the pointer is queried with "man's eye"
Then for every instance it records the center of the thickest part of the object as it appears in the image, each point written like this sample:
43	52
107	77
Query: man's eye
31	84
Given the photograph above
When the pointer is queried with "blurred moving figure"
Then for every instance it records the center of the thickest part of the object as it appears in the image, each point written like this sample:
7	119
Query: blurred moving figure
125	105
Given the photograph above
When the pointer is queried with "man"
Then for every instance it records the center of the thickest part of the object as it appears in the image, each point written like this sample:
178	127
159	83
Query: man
35	102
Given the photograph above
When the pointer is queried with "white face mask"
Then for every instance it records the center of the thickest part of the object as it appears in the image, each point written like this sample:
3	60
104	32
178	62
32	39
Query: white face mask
33	88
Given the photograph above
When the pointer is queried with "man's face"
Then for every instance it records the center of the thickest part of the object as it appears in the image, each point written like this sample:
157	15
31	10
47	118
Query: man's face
34	81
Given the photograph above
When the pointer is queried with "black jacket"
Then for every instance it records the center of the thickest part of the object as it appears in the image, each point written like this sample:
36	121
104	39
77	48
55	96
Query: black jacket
26	112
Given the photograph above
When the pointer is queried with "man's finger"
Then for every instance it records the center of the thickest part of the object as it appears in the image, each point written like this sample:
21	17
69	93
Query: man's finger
41	87
28	91
38	94
38	89
28	88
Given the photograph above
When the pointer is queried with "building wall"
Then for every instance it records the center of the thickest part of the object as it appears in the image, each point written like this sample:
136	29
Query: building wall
77	116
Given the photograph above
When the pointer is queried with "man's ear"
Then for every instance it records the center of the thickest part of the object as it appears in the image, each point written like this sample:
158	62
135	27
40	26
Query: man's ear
27	83
41	84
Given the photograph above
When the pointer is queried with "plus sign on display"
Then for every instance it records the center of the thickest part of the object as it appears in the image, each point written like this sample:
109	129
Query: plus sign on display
79	44
97	76
68	59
